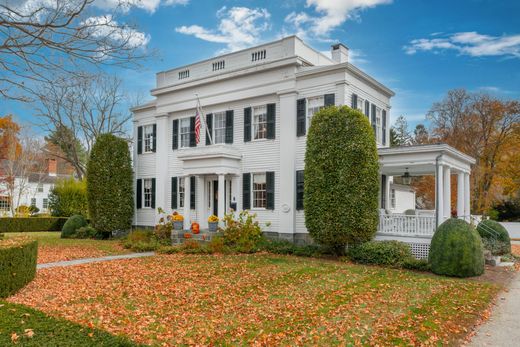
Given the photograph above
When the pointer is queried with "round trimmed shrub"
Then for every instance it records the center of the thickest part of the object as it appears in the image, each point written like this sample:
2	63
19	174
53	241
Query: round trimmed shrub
17	264
109	185
341	178
72	225
456	250
495	237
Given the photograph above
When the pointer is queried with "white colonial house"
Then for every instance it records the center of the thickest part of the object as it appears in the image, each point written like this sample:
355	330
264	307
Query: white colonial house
257	105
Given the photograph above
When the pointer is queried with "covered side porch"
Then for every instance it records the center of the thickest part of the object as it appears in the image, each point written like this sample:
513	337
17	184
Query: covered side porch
439	160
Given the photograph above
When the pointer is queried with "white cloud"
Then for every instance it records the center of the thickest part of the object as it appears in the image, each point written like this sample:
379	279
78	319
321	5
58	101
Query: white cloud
106	26
330	15
239	27
147	5
469	43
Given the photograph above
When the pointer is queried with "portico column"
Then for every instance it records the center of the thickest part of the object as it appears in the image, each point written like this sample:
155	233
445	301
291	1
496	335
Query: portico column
187	202
447	192
221	196
161	165
460	195
467	203
199	201
439	199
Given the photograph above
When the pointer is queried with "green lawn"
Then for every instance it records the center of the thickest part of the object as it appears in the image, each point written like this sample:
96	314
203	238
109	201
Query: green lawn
23	326
52	248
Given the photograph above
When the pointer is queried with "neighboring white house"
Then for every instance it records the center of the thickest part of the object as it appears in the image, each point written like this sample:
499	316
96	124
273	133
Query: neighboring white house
257	104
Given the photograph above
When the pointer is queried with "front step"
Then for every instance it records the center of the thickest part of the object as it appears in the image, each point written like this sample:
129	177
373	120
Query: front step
203	236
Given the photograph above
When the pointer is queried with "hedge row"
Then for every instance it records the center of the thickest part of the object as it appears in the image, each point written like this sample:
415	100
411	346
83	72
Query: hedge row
17	264
24	224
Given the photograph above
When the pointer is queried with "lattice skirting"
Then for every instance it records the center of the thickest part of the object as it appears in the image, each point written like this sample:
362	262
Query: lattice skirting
420	250
420	246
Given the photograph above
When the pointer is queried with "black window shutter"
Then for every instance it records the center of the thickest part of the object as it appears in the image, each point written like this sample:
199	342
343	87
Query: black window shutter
153	192
374	119
209	123
139	140
139	193
154	138
175	134
247	124
229	126
192	192
299	190
329	100
367	109
193	141
301	126
384	127
271	121
174	193
354	101
269	180
246	191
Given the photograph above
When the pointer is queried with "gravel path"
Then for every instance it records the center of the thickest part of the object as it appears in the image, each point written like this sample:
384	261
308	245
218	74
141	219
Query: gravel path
94	260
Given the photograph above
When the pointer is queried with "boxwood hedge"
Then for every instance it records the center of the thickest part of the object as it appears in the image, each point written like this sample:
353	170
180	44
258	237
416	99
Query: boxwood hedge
24	224
17	264
341	178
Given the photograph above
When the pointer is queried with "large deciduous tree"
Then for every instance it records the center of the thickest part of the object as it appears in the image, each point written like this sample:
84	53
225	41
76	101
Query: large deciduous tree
341	178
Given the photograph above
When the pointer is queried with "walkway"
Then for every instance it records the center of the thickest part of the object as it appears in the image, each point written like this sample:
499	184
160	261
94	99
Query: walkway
94	260
503	328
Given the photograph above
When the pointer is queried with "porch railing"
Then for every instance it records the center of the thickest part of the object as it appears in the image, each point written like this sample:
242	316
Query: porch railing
407	225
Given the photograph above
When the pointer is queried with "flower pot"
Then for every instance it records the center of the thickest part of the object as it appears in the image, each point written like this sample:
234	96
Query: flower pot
178	225
213	226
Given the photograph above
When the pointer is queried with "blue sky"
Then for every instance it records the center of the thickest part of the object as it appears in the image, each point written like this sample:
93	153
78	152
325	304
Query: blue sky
419	49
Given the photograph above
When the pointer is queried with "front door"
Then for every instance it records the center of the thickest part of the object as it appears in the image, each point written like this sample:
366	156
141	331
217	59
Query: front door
215	197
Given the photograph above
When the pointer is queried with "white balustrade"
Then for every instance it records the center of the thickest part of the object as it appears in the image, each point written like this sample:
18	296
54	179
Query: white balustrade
407	225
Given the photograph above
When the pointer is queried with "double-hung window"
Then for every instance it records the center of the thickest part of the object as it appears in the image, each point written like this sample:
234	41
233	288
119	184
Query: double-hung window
314	104
185	132
45	203
259	190
40	187
219	127
148	138
147	192
181	192
260	122
361	105
379	132
33	202
4	203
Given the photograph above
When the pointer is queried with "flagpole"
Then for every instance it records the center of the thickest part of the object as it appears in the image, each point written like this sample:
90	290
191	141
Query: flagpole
199	107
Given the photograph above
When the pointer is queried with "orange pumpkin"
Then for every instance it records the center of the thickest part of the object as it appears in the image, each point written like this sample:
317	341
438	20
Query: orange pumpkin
187	235
195	228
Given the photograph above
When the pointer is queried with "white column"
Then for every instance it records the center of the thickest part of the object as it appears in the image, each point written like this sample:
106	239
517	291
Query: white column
287	193
447	192
467	202
235	190
460	194
135	162
200	201
161	162
439	199
187	202
221	196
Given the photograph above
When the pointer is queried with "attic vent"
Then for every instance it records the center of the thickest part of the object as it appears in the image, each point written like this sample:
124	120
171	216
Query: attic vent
219	65
184	74
258	55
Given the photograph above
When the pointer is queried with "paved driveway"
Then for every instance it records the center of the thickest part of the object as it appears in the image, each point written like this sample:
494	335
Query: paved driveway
513	228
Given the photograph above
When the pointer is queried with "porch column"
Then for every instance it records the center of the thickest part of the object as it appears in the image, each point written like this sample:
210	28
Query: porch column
200	201
161	166
460	195
467	203
447	192
187	202
439	199
221	196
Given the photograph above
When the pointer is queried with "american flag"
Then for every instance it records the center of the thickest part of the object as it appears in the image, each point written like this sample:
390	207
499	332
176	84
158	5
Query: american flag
197	125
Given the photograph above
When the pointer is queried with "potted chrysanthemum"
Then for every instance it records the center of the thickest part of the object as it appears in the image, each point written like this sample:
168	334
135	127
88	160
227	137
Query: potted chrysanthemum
213	223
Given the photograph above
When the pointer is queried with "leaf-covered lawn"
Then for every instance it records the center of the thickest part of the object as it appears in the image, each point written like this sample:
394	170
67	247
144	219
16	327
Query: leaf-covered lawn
263	299
52	248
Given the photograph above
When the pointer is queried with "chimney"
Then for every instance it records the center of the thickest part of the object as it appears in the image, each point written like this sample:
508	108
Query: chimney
52	167
339	53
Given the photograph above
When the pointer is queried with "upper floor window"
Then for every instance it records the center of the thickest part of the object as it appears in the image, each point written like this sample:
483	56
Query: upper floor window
40	188
259	190
219	128
314	104
147	192
379	132
260	122
148	138
361	105
185	129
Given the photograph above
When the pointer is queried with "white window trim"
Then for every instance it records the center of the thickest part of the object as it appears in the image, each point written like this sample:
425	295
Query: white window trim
253	208
150	149
253	123
214	132
143	195
307	107
181	133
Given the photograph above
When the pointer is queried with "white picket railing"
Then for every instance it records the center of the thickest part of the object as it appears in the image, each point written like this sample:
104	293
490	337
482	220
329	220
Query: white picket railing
407	225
